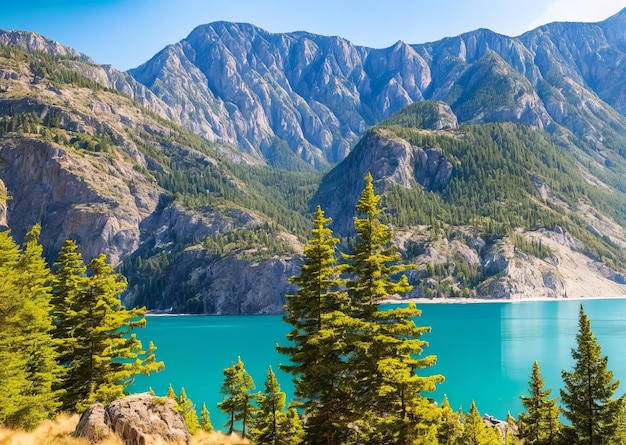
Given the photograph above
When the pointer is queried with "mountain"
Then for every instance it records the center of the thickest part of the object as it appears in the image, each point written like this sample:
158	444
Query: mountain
292	97
500	160
91	164
496	210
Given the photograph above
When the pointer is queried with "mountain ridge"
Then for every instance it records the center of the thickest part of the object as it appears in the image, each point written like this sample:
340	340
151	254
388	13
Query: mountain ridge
217	226
248	69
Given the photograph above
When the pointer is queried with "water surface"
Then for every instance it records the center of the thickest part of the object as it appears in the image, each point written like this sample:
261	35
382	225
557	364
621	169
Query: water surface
485	350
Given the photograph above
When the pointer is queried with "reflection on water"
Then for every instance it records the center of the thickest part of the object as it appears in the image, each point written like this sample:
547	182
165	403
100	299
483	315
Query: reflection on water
485	351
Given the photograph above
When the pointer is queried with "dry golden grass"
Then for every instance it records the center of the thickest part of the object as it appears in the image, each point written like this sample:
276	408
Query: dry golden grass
59	432
50	432
203	438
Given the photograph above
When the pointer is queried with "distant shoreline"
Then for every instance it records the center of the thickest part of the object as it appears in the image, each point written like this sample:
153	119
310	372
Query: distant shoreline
420	301
462	300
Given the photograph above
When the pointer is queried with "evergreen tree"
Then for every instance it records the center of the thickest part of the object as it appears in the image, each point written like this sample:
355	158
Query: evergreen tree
103	356
293	426
511	436
69	283
28	367
205	419
171	394
450	427
13	360
539	424
237	388
595	417
187	410
384	345
316	352
42	370
268	424
475	432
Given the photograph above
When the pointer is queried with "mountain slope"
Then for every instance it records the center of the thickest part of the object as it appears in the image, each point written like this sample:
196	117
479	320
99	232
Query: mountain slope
494	210
510	186
90	164
317	95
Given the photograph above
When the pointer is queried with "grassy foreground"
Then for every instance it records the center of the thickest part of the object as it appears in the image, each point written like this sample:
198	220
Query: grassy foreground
59	430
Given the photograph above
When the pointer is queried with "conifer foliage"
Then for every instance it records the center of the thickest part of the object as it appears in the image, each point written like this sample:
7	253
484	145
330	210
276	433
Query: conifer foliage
539	424
99	352
385	343
238	397
317	346
596	417
28	366
351	359
272	425
65	338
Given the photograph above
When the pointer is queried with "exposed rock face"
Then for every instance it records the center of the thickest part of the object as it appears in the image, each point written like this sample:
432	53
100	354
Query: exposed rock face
72	199
90	178
392	159
239	83
513	274
104	74
230	285
139	419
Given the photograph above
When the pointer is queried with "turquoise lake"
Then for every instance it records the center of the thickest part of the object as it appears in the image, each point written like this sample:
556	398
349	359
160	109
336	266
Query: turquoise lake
485	350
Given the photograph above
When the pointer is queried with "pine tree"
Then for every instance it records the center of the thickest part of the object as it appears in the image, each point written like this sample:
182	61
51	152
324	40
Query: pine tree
316	353
205	419
267	425
450	427
539	424
28	367
42	369
102	355
13	375
69	283
237	388
171	394
475	432
595	417
511	436
187	410
293	426
384	345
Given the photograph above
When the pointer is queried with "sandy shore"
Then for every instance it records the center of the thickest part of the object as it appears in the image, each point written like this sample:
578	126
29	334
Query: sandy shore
461	300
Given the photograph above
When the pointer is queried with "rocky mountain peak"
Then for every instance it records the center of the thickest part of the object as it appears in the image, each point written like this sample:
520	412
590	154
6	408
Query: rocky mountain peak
316	95
33	42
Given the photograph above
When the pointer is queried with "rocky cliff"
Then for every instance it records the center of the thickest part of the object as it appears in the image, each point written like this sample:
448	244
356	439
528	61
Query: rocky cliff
90	164
238	83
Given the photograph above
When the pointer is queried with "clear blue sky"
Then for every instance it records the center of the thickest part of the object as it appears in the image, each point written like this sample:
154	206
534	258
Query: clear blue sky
127	33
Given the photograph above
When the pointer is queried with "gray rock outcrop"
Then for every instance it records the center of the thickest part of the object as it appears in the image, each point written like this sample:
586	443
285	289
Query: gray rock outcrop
390	160
139	419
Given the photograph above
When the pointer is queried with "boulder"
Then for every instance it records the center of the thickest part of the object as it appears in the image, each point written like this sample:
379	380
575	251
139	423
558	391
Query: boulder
139	419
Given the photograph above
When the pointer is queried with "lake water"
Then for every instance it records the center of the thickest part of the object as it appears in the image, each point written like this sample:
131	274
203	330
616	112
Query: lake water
485	350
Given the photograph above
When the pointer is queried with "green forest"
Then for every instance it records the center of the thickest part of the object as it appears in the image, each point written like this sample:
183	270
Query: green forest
360	372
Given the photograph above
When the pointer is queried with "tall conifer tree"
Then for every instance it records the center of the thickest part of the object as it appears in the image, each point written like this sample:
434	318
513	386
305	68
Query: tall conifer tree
539	424
28	367
475	432
268	425
102	355
237	403
13	360
384	344
316	354
43	370
596	417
